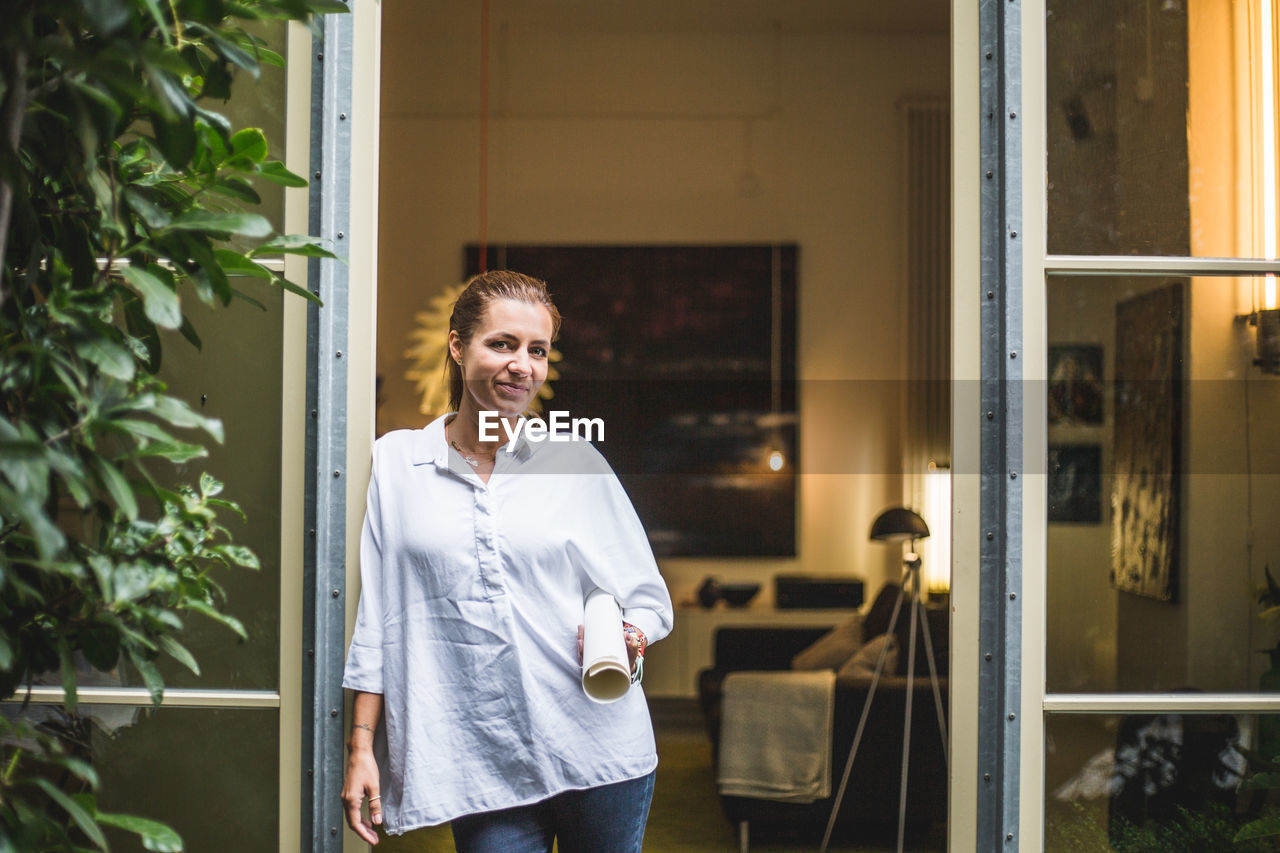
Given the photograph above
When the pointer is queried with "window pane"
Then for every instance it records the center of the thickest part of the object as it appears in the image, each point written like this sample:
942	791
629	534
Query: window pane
235	376
1154	782
1157	129
210	774
261	104
1163	477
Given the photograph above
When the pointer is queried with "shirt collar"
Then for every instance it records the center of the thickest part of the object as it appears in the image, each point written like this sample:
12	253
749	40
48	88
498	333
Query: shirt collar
431	446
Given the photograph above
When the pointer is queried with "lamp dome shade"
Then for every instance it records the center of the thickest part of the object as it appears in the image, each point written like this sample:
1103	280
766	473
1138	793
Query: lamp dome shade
897	524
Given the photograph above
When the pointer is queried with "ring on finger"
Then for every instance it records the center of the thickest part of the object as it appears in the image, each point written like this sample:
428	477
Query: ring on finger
371	799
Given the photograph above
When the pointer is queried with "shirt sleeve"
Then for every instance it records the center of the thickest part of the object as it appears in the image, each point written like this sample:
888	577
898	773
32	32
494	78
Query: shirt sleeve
615	556
364	658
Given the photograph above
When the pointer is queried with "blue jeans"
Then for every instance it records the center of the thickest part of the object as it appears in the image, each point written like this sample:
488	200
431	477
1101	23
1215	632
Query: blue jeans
605	819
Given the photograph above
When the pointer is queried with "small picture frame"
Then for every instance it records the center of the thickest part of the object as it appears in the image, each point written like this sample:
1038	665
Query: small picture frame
1075	385
1075	484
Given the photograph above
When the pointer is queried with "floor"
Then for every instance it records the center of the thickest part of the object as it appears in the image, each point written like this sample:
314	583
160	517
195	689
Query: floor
685	816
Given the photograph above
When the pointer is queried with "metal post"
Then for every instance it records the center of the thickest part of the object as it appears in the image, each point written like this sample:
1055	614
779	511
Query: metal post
324	562
1000	624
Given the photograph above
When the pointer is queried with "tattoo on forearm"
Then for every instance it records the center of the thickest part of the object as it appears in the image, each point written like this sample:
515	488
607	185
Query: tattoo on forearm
364	726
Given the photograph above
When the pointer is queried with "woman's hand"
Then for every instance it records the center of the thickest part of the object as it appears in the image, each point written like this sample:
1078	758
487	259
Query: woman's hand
362	770
631	635
633	647
361	782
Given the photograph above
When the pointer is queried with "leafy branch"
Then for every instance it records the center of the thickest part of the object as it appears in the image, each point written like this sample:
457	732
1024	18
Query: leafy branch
124	194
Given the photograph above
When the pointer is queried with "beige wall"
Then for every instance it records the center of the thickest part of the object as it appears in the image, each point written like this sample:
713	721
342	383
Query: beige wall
641	127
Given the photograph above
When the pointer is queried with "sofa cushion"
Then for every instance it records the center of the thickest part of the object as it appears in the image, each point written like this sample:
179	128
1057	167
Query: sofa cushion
863	661
833	648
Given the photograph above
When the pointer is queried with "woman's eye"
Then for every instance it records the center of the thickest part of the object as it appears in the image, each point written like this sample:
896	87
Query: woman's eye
539	351
499	344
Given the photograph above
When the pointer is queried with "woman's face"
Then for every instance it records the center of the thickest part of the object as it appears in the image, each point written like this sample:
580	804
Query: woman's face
505	362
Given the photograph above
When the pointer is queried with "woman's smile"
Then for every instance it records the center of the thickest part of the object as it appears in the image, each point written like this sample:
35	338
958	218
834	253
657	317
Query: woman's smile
505	362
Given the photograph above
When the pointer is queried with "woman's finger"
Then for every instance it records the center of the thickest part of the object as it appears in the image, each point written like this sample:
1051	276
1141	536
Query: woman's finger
354	820
375	806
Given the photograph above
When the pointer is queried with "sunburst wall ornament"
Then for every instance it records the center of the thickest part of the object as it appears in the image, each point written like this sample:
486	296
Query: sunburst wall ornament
428	353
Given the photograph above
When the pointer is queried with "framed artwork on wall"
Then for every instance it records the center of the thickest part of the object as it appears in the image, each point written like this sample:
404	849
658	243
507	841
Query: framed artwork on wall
688	355
1147	444
1075	384
1075	483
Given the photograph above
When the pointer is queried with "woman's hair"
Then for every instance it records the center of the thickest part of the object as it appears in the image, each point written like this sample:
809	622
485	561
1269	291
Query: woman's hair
474	300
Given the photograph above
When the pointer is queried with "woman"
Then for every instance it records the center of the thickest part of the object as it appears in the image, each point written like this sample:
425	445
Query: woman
476	556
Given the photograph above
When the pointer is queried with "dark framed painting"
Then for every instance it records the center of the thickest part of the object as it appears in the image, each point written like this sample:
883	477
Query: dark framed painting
1147	443
1075	384
1075	483
688	355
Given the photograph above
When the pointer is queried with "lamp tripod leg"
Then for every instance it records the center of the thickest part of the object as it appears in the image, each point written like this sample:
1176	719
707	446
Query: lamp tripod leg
906	726
862	723
937	691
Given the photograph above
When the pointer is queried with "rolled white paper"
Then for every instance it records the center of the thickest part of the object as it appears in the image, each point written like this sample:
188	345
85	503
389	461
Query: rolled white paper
606	671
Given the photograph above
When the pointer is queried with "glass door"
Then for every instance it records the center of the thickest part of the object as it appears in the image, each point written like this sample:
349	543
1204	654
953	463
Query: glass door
1140	184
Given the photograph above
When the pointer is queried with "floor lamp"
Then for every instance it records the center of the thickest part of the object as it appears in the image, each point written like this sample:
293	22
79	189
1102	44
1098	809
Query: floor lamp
897	525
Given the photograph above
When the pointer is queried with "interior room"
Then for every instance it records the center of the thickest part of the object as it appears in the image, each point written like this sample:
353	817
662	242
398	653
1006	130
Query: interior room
814	135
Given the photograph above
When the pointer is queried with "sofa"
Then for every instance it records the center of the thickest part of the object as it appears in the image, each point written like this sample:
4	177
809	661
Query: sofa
870	807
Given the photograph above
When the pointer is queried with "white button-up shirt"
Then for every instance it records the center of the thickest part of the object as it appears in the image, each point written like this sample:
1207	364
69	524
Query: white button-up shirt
470	601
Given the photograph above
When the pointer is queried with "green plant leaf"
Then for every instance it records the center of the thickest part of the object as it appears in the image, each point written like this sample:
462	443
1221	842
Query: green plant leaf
48	538
218	616
110	357
237	188
234	263
189	332
177	451
142	331
249	143
151	213
82	818
274	171
160	302
180	414
81	769
175	103
116	485
240	555
150	675
176	140
285	284
155	836
140	429
153	7
209	485
244	224
269	57
179	652
67	667
1263	780
295	244
105	16
1261	828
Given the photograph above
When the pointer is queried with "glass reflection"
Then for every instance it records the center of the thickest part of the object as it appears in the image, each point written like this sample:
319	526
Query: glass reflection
1156	782
235	376
1161	128
261	104
211	774
1163	473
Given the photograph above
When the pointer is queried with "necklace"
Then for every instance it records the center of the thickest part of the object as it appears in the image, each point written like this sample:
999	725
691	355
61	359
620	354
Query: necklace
470	460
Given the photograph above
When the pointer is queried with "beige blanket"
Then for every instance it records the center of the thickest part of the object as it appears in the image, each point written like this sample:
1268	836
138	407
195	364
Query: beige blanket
775	735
